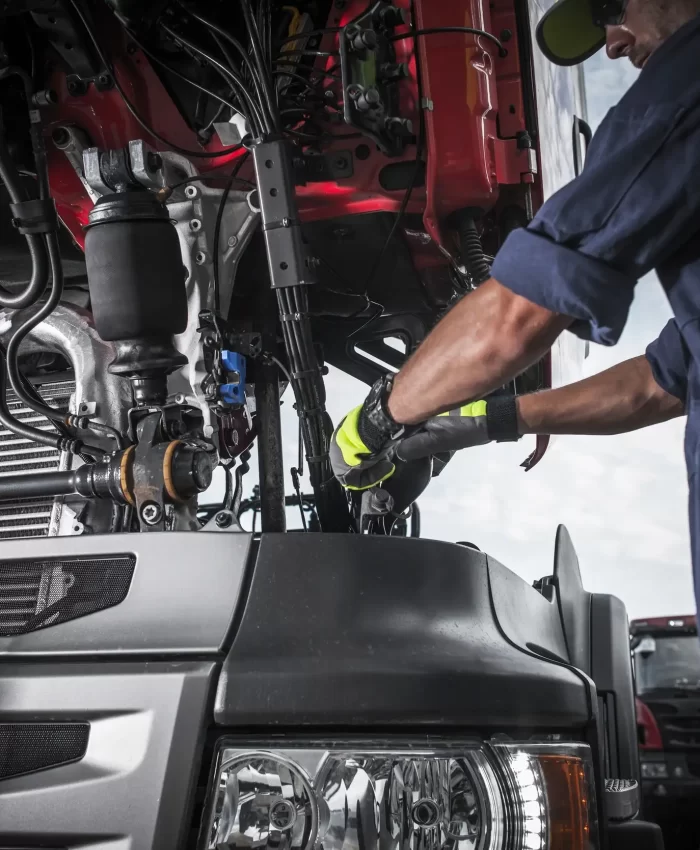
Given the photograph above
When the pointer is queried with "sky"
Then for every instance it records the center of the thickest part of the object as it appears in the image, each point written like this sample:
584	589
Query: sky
622	498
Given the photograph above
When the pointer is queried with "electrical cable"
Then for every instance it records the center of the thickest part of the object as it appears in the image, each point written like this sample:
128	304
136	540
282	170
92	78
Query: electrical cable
215	28
217	230
438	30
265	79
324	54
232	76
183	77
132	109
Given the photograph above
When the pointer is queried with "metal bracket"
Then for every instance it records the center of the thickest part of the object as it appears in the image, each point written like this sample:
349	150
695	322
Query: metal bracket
66	34
287	256
321	168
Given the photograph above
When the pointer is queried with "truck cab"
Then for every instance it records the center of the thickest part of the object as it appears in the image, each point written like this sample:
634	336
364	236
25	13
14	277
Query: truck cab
666	655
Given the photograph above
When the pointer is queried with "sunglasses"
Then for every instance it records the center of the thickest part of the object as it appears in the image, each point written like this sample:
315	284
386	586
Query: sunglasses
608	13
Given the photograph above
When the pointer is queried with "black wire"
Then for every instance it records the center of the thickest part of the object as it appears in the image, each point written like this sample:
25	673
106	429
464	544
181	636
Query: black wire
175	73
322	53
265	79
228	74
132	109
217	230
437	30
215	28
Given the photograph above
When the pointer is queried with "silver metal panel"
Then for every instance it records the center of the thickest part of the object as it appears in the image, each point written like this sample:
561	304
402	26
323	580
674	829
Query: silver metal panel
133	788
182	597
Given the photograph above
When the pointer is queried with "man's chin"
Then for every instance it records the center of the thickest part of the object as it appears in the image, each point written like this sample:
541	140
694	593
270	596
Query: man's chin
640	61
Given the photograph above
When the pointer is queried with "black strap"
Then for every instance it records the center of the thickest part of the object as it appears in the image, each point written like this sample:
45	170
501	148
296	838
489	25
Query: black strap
502	419
36	216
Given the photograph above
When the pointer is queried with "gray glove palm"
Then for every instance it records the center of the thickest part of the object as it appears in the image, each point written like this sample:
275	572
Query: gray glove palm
457	429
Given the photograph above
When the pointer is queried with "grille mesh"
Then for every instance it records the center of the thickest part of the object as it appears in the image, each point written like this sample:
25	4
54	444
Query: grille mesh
30	517
27	747
36	594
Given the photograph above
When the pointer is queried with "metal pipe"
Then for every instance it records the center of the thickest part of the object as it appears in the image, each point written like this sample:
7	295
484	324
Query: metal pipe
270	459
41	485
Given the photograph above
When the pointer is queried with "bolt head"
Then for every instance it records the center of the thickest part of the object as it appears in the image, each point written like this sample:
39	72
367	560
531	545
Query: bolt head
223	519
151	513
232	241
191	191
195	225
200	258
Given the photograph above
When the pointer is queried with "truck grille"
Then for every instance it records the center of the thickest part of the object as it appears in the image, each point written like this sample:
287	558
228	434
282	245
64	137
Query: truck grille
31	517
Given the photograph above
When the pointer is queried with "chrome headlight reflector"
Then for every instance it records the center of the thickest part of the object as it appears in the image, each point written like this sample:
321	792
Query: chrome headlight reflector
469	796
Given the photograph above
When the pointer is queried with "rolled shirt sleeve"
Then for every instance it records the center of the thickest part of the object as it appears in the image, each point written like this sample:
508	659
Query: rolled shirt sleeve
636	203
669	359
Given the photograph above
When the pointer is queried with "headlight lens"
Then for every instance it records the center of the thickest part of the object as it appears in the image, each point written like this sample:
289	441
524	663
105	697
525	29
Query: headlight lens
469	796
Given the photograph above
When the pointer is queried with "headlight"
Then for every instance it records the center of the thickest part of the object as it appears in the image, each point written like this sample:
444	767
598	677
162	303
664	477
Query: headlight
654	770
469	796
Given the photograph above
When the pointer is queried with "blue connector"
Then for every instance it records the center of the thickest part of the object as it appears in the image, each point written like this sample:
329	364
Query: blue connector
233	391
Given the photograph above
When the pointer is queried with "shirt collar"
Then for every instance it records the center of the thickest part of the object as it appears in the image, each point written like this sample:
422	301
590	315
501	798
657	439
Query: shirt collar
687	32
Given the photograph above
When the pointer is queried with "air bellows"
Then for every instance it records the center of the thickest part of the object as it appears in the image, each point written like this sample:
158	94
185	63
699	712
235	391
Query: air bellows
137	288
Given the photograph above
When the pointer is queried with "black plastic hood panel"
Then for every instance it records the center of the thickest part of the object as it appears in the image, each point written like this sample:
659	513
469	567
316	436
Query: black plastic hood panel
361	631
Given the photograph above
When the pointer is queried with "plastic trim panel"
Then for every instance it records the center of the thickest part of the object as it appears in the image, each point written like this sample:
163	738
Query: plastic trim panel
132	789
181	600
361	631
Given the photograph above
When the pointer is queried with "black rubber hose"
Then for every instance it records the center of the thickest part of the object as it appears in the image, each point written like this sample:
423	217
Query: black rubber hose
471	252
35	242
28	325
15	426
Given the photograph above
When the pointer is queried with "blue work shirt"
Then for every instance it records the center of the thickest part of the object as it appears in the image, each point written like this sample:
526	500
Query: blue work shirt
635	207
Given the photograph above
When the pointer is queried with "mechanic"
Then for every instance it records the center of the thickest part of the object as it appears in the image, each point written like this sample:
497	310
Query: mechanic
635	207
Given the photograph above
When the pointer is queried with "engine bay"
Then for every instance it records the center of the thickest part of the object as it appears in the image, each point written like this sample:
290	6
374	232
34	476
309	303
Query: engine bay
204	205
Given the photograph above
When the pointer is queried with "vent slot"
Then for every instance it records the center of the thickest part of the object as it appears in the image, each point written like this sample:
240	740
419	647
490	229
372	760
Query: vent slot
37	594
28	747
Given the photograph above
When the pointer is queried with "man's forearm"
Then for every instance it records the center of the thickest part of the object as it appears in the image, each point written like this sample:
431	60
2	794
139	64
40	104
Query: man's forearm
487	339
623	398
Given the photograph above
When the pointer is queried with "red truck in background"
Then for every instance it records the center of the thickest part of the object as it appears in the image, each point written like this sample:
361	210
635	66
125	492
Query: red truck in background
666	654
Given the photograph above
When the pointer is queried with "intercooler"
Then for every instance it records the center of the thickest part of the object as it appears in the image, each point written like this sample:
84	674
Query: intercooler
18	456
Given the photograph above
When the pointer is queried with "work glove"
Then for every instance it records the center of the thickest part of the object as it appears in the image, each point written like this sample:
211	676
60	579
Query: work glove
368	443
474	424
362	446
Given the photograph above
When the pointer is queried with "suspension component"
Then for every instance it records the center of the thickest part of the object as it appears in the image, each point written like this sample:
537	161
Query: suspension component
183	470
137	289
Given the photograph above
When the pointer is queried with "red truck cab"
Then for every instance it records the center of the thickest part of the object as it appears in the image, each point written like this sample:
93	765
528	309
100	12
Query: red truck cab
666	654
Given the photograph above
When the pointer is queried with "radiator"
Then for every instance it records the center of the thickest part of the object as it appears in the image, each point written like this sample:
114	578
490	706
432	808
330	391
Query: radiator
32	517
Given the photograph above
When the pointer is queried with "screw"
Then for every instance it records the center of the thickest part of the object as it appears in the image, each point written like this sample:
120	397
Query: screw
232	241
73	88
195	224
180	398
151	513
104	79
191	192
200	258
223	520
341	162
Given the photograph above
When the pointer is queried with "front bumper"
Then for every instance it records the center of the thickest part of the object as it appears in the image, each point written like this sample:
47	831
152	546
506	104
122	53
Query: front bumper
222	635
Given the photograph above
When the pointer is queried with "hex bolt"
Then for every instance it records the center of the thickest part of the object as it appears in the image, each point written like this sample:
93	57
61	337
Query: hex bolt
180	398
195	225
200	258
151	513
223	519
232	241
191	192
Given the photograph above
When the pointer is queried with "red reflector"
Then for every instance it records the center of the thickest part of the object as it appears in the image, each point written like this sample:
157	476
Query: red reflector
649	733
